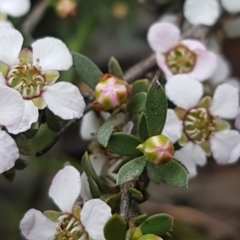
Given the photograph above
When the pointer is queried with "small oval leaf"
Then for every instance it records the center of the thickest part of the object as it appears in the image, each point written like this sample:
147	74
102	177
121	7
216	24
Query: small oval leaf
140	85
115	68
156	108
23	144
137	103
142	127
94	188
130	170
124	144
86	69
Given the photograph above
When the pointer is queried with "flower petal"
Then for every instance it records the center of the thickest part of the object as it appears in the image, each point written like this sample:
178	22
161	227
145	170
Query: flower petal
30	116
225	101
89	126
178	86
11	42
206	61
234	81
204	12
11	107
95	213
222	71
173	126
235	154
191	155
223	144
15	8
163	36
65	188
9	152
52	53
64	100
232	6
237	120
35	226
5	23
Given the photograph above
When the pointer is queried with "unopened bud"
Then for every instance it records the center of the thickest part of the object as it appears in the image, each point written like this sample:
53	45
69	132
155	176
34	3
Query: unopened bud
150	237
137	233
111	92
66	8
158	149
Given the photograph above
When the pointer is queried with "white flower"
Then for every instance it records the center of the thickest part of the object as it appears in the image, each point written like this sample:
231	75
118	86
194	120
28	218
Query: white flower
14	8
203	133
65	190
176	56
207	12
11	110
33	74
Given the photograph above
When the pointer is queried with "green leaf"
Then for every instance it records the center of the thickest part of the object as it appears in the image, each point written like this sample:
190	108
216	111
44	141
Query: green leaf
115	68
158	224
140	85
86	70
88	167
137	103
156	108
124	144
54	122
30	133
105	131
140	219
113	202
10	174
115	228
52	215
94	188
20	164
142	127
131	170
136	194
172	172
23	144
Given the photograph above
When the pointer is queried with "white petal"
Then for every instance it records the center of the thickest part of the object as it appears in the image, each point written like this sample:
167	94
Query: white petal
163	36
89	126
98	160
94	215
35	226
173	126
231	27
225	101
85	189
161	61
11	107
184	91
237	120
5	23
191	155
64	100
169	18
15	8
222	145
11	42
234	154
232	6
204	12
9	152
30	116
235	82
53	54
222	71
65	188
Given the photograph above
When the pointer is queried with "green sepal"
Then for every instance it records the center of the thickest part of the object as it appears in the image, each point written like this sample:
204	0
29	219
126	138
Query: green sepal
140	85
23	144
105	131
94	188
172	172
136	194
124	144
115	68
156	108
21	164
30	133
54	122
142	127
113	201
115	228
10	174
76	211
88	167
137	103
158	224
52	215
140	219
131	170
86	69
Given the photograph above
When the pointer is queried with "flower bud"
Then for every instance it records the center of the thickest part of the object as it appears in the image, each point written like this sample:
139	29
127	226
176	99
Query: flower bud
137	233
66	8
150	237
111	92
158	149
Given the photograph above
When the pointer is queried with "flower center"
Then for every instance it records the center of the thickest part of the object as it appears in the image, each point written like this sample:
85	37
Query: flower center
26	79
180	60
69	228
199	125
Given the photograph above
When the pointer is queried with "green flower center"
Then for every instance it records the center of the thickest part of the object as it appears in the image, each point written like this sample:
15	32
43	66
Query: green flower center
69	228
199	124
26	79
180	60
